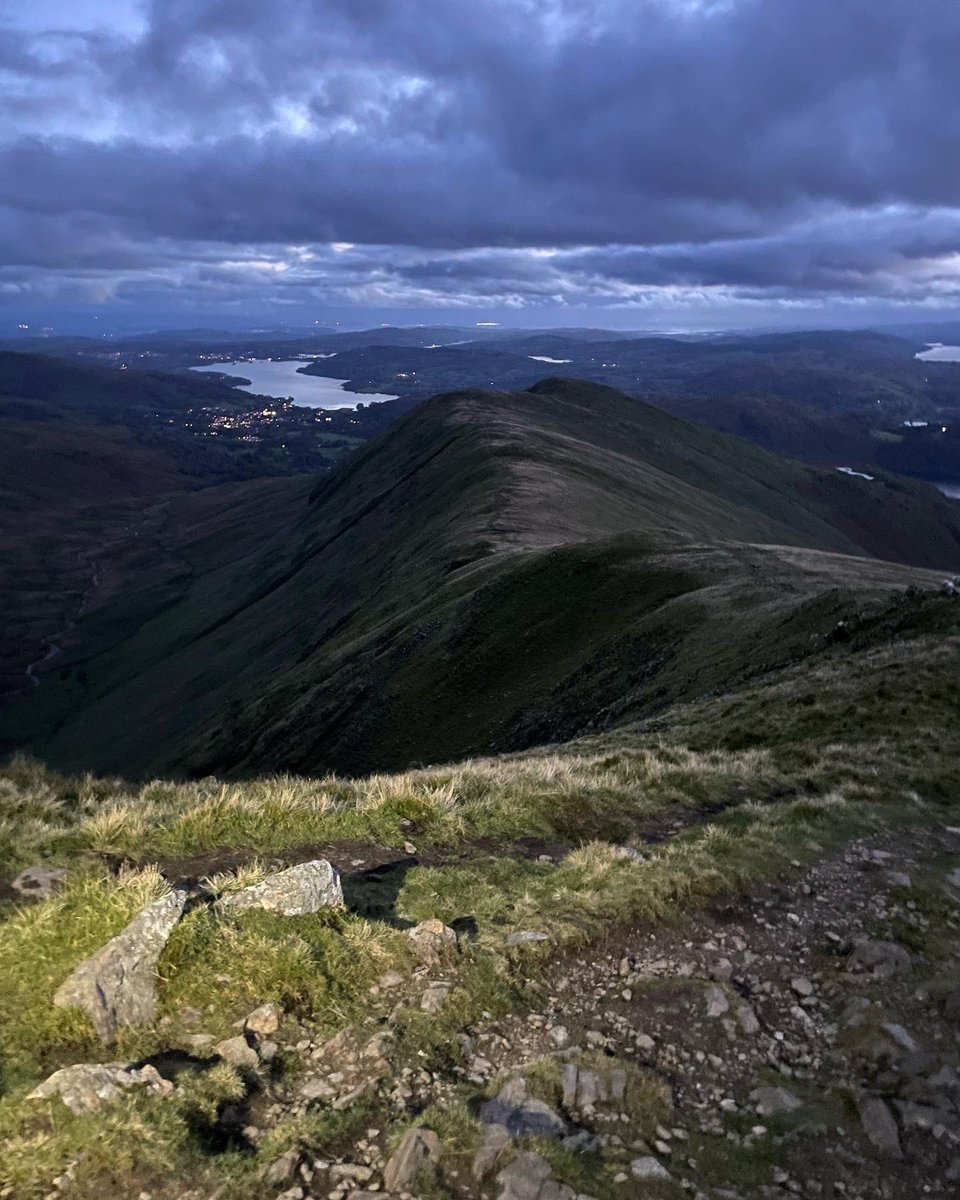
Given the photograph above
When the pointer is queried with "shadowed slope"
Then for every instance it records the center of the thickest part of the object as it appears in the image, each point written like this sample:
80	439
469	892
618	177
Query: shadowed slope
497	569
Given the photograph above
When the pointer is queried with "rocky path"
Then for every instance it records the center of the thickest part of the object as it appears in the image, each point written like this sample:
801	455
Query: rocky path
803	1040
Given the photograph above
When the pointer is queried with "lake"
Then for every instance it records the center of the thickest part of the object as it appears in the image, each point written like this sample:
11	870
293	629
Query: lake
937	352
282	380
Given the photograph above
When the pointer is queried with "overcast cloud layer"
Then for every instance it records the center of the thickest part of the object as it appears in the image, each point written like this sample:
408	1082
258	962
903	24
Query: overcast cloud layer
634	162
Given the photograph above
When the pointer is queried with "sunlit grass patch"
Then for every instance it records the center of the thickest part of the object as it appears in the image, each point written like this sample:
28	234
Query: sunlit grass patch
39	946
318	967
577	793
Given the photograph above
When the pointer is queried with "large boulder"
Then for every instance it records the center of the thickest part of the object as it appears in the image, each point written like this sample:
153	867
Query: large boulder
238	1052
649	1168
880	1127
117	985
419	1149
305	888
528	1177
881	959
86	1086
774	1101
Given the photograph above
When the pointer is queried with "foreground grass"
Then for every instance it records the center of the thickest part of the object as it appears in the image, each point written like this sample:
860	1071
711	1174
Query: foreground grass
769	778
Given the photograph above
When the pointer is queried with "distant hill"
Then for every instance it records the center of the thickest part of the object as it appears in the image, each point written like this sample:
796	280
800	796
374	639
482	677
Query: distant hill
58	386
829	397
497	569
830	370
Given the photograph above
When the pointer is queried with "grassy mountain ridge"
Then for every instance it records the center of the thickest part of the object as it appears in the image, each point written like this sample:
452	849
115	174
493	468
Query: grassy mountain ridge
496	569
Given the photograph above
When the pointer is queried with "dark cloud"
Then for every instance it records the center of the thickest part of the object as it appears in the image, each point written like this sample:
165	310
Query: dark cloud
669	151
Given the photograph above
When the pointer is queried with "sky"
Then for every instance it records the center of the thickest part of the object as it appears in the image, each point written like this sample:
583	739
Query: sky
650	164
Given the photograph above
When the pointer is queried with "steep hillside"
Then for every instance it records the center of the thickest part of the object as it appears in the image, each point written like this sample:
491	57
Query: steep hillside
86	455
58	386
88	458
496	570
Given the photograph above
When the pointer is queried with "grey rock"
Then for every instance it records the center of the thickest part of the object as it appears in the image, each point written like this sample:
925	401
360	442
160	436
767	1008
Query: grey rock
263	1021
717	1002
39	883
528	1178
85	1086
628	852
583	1142
199	1041
495	1140
882	959
418	1149
377	1048
569	1079
747	1019
238	1052
316	1089
283	1169
946	1080
520	1114
721	970
900	1038
774	1101
923	1116
117	985
855	1012
879	857
879	1127
526	935
430	939
306	888
435	997
352	1173
899	879
951	1006
588	1089
648	1168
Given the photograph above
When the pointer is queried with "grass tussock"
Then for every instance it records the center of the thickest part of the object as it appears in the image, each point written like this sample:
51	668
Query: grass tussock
559	794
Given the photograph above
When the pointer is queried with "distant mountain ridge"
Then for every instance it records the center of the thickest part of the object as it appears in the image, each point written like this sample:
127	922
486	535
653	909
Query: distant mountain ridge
495	569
